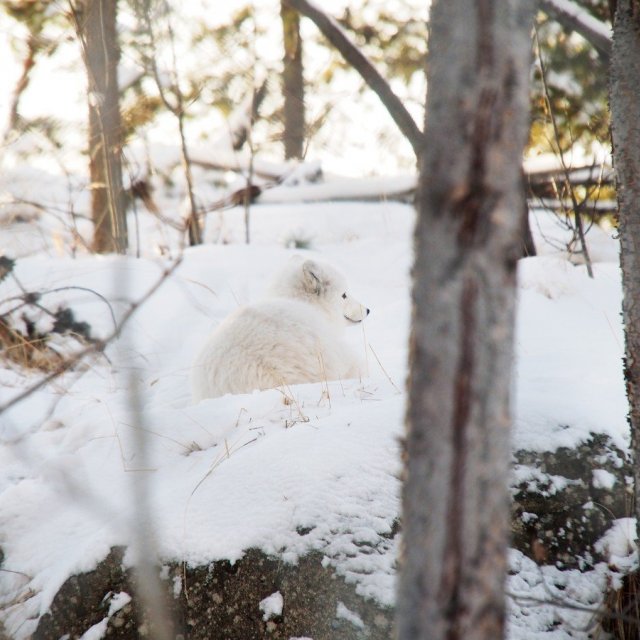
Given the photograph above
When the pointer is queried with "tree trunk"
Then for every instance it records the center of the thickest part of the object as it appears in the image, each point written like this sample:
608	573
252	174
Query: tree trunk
96	22
292	84
528	245
625	115
467	241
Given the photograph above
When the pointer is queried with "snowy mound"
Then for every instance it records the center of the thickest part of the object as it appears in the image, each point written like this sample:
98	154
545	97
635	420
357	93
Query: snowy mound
311	468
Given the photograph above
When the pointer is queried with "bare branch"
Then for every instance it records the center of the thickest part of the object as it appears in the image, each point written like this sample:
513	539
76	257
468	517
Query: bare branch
177	109
332	31
577	209
96	347
572	16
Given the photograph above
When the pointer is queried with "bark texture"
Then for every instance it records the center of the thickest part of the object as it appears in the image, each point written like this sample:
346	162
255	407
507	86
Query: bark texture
625	128
292	84
96	23
467	241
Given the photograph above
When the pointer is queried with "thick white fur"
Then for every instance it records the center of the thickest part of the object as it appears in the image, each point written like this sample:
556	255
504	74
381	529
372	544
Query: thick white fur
292	336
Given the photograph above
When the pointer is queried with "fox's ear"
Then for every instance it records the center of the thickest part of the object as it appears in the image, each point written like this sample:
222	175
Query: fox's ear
312	277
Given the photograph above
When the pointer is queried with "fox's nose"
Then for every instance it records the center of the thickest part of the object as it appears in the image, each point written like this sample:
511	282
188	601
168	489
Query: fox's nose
368	311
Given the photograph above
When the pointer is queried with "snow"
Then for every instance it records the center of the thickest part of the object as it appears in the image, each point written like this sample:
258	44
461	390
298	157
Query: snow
118	601
569	353
547	604
99	630
308	468
618	541
344	613
603	479
272	606
343	189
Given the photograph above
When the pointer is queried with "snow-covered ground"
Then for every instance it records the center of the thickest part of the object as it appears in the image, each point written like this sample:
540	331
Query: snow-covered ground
251	471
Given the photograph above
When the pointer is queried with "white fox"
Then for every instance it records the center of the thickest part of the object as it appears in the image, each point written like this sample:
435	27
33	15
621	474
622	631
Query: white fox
292	336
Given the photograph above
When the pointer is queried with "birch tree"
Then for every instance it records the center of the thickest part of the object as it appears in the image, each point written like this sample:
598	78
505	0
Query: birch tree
467	242
625	115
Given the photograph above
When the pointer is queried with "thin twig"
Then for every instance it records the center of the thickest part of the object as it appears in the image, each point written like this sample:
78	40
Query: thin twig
96	347
576	207
177	109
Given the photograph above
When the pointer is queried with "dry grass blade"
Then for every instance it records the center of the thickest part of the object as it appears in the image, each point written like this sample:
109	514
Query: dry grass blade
393	384
621	617
30	353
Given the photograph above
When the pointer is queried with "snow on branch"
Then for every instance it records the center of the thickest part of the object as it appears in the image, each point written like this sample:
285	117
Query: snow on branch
334	33
572	16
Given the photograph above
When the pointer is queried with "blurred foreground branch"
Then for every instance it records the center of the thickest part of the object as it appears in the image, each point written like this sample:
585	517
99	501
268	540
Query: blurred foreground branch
97	347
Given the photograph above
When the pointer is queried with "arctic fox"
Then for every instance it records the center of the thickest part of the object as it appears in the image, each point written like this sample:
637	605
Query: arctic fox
292	336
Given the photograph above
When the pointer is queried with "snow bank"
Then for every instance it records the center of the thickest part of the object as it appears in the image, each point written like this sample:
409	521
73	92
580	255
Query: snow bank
314	467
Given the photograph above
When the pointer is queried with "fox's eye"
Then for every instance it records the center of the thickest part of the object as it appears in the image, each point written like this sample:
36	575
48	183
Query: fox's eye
344	296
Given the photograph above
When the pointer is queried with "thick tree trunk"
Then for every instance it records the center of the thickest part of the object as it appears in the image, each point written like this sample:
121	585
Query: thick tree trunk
625	115
96	21
292	84
467	241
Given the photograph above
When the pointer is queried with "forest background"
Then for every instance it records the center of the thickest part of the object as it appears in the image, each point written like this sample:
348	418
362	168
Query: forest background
229	92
